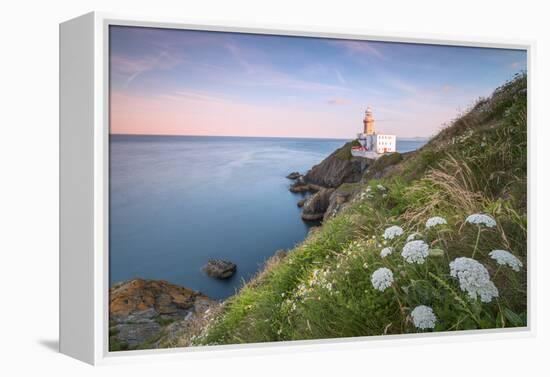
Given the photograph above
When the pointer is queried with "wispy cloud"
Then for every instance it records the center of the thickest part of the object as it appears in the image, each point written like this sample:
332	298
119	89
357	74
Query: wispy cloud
339	76
199	96
361	48
132	68
238	56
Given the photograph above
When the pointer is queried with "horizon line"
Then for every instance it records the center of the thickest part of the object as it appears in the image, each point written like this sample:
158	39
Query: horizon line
248	136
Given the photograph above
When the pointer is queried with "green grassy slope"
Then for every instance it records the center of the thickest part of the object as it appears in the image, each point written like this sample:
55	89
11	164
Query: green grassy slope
323	288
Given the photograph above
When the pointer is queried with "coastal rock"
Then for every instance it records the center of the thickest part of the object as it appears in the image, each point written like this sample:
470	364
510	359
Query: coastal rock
338	168
316	205
139	310
219	269
301	202
336	202
294	175
300	185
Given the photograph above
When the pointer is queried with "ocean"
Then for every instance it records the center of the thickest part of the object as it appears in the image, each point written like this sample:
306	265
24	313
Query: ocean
177	201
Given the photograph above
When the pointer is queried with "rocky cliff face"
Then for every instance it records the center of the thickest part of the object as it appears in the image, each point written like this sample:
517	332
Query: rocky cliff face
340	167
141	312
316	205
331	181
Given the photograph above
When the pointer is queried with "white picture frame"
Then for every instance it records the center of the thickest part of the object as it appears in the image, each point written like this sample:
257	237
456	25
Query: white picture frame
84	132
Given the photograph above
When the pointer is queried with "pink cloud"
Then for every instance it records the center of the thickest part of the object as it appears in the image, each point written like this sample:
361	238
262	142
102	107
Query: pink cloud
337	101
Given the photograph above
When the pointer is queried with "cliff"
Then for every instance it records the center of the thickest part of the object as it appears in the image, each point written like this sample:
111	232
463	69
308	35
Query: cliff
338	168
336	180
329	286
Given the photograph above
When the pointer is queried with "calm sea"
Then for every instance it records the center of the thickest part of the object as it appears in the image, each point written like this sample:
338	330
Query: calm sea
177	201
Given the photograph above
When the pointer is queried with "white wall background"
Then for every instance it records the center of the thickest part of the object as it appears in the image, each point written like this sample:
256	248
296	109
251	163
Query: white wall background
29	185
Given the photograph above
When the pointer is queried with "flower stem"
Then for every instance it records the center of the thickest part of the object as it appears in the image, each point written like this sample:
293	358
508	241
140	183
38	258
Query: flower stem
401	308
497	271
477	241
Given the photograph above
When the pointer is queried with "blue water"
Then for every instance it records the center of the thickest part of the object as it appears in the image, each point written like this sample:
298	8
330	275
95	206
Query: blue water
177	201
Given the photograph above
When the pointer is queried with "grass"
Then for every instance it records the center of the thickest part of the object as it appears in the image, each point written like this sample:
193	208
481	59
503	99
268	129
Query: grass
323	288
344	152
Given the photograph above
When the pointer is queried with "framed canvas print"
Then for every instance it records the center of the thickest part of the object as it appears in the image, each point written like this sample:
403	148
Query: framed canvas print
230	188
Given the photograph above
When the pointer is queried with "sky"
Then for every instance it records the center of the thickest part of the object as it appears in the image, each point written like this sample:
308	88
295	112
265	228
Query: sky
184	82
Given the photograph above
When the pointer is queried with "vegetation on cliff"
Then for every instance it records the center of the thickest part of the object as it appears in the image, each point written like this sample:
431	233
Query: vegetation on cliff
436	243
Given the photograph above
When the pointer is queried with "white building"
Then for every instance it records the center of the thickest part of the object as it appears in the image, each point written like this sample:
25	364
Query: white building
373	144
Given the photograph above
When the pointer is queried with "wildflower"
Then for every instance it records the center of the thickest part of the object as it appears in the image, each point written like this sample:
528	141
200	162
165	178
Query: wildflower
384	195
392	232
506	258
415	251
481	219
473	278
386	251
413	236
380	187
435	221
423	317
382	278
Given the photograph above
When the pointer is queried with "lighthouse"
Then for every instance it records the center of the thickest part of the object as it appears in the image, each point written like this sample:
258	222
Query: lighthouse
368	122
372	145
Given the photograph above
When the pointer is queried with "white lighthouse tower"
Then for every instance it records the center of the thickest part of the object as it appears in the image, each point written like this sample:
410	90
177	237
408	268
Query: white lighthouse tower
372	144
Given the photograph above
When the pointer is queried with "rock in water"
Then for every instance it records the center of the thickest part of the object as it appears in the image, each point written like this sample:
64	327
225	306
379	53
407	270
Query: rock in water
140	309
301	202
219	269
294	175
315	207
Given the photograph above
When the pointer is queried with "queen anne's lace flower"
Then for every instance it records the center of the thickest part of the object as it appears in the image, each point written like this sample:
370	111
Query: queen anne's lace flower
435	221
473	278
386	251
380	187
506	258
413	236
382	278
392	232
423	317
481	219
415	251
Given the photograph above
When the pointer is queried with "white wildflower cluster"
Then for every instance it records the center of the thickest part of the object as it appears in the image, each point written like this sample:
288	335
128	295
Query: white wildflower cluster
481	219
392	232
505	258
386	251
473	278
366	194
382	279
423	317
415	251
435	221
413	236
353	250
321	279
380	187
